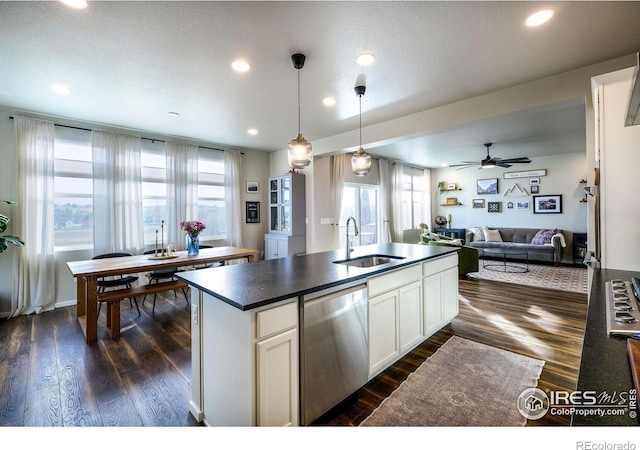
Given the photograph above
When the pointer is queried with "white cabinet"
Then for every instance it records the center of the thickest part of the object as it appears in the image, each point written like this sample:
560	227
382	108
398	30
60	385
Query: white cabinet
276	246
395	319
244	363
440	291
287	216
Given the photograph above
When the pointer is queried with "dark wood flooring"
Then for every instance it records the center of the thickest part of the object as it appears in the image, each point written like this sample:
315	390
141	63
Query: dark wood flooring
50	377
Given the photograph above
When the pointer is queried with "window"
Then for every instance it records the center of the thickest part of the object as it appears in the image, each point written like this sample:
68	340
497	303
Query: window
211	194
413	194
72	189
361	202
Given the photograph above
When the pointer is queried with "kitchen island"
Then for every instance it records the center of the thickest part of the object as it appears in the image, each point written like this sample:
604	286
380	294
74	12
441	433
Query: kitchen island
247	323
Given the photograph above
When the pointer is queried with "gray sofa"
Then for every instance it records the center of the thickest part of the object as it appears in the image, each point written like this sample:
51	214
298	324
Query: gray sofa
520	238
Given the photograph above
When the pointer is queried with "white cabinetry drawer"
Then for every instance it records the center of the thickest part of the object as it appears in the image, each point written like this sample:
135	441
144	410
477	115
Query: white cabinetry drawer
394	280
275	320
437	265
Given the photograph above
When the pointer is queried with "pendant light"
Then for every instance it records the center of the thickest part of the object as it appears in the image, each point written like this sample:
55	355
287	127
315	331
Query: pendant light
299	148
361	160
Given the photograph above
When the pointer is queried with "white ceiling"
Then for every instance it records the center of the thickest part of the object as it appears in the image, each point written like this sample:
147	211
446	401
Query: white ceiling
129	63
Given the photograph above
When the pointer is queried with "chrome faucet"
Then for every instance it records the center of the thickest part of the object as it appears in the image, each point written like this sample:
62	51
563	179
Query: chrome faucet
355	227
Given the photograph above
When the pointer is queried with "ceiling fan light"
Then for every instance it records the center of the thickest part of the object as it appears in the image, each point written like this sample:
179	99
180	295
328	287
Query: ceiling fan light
361	163
299	153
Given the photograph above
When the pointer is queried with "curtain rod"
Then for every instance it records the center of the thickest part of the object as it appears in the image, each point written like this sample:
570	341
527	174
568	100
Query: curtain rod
146	139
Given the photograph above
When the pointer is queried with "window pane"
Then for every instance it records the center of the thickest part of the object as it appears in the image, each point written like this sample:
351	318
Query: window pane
73	222
368	216
212	213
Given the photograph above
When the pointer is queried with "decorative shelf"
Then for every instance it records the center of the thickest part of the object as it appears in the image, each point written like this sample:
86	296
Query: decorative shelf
457	204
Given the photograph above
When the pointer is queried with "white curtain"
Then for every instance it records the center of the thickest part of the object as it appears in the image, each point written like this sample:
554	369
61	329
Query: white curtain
336	184
397	181
34	278
427	199
232	197
117	193
182	190
385	204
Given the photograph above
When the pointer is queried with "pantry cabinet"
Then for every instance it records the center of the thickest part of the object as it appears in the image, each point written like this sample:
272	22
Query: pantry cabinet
287	216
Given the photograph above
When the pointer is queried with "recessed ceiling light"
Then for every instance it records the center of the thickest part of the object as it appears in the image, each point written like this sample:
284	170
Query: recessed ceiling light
240	66
252	131
329	101
76	4
539	18
365	59
173	114
61	89
444	165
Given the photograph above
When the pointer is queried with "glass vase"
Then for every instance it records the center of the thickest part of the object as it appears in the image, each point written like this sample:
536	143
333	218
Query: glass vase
193	245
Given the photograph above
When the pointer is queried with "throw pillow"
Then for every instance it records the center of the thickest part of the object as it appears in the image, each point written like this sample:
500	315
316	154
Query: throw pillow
434	236
477	234
543	237
485	232
493	236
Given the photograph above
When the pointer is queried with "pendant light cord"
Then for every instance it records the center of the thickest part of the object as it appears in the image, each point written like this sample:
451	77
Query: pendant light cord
299	101
360	98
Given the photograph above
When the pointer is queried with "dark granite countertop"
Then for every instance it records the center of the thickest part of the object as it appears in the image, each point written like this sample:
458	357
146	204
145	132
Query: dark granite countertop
604	366
248	286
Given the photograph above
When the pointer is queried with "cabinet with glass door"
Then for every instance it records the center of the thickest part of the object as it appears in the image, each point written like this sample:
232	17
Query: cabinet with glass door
287	214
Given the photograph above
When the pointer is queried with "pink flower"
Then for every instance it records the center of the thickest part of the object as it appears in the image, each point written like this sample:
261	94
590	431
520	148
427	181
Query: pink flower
192	227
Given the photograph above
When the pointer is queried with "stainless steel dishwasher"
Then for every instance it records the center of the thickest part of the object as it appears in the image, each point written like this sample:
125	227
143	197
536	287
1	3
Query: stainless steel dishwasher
334	346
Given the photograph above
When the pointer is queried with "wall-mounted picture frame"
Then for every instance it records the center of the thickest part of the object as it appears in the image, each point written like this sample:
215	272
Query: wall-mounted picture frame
487	186
252	212
510	205
452	187
535	189
451	201
252	187
478	202
547	204
534	181
522	205
494	207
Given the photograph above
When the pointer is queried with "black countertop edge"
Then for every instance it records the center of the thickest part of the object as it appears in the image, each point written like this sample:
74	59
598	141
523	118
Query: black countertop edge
229	283
604	366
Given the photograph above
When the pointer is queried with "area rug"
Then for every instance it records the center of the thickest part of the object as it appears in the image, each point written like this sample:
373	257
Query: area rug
464	383
572	279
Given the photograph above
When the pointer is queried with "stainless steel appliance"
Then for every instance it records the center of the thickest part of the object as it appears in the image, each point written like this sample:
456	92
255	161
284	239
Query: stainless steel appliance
334	348
623	317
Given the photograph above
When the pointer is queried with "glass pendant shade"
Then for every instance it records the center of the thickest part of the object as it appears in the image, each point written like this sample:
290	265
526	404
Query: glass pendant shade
361	163
299	152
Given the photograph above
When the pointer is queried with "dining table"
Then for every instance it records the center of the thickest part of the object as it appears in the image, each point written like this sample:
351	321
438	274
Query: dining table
88	272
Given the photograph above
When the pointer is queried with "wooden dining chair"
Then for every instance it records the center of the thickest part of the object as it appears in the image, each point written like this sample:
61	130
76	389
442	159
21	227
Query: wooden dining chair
116	282
160	276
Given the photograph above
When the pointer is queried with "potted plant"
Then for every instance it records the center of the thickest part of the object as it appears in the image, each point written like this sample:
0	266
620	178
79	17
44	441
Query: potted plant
5	240
441	186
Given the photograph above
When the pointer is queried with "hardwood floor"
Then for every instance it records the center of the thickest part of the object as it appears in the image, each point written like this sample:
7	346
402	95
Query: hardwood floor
50	377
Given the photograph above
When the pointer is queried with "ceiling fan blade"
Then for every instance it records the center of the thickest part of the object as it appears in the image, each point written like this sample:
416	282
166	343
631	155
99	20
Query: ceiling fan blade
466	164
502	164
522	159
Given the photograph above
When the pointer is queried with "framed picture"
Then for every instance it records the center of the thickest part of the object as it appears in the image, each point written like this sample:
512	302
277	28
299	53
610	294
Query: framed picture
547	204
252	187
451	201
534	181
488	186
535	189
478	202
452	187
510	205
522	205
253	212
494	207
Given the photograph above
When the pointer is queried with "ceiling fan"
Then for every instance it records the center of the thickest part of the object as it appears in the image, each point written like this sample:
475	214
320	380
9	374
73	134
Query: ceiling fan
490	161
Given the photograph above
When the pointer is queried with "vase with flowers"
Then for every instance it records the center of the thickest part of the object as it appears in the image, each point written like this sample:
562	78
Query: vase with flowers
192	229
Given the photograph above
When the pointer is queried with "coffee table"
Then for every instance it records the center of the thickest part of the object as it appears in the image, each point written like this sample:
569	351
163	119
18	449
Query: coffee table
506	266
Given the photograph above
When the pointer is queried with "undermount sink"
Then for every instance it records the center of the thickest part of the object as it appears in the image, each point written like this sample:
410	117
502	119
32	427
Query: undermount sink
368	260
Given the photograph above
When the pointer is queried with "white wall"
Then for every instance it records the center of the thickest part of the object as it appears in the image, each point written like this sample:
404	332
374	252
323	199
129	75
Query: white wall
253	168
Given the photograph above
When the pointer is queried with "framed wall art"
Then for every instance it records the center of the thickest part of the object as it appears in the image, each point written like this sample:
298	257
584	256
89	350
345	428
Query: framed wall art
252	212
252	187
522	205
478	202
535	189
451	201
488	186
547	204
494	207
